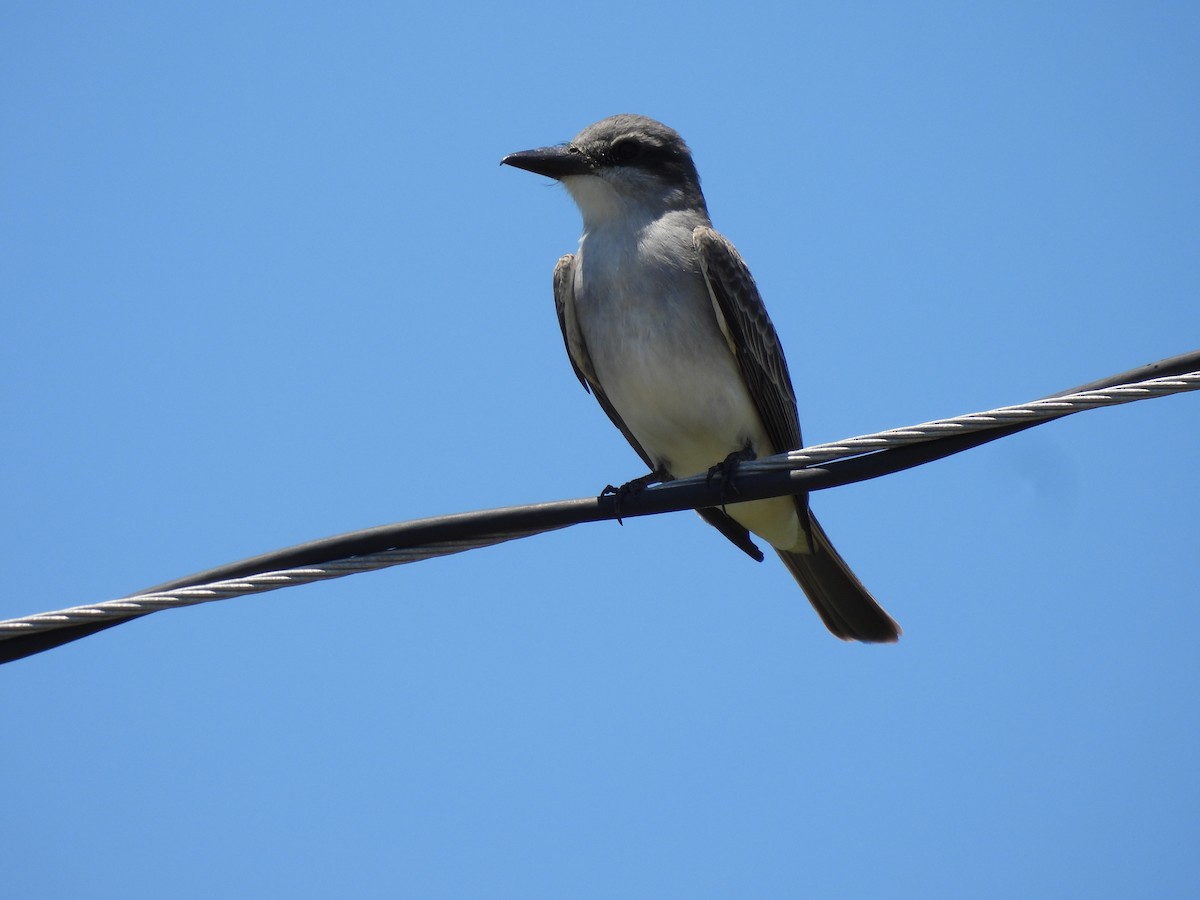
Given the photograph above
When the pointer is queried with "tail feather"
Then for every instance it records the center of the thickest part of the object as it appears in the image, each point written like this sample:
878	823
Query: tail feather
846	607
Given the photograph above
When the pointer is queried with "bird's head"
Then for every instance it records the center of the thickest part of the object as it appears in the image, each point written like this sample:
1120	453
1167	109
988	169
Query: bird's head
620	164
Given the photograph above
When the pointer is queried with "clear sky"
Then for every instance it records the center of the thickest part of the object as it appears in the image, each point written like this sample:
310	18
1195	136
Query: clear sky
263	281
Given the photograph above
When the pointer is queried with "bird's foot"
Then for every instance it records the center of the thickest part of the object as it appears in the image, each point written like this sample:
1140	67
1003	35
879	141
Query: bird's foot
726	470
629	488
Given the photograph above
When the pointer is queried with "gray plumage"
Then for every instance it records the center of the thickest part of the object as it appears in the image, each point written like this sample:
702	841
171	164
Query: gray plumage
664	324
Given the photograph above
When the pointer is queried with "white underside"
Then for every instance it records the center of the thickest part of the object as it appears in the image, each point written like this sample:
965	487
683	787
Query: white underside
649	327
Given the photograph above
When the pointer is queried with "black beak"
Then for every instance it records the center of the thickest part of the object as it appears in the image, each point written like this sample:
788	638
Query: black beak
553	162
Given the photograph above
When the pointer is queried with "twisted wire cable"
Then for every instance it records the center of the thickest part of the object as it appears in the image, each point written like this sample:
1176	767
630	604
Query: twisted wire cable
1034	412
153	601
811	468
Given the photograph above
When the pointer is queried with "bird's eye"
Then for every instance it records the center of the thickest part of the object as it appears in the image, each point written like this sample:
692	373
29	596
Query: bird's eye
626	151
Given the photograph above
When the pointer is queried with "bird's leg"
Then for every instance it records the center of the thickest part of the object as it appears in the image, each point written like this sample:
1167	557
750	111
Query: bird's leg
629	488
726	470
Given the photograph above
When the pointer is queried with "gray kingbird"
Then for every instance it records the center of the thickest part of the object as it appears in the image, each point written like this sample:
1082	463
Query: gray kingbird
665	326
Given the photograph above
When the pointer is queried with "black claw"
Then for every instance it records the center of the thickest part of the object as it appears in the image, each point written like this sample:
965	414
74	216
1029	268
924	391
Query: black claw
726	469
629	488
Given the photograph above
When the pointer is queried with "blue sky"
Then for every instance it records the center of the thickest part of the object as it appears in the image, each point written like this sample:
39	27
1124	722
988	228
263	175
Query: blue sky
264	282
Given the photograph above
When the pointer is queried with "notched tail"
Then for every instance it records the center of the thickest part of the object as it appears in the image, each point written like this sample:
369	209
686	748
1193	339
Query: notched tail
844	604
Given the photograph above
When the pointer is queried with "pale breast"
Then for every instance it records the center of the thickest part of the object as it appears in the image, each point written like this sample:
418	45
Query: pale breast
646	318
658	352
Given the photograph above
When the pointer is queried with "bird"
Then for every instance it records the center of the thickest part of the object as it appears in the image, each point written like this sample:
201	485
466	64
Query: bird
664	325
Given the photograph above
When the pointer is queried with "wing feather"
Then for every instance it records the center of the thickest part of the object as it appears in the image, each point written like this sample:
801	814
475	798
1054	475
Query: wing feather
747	327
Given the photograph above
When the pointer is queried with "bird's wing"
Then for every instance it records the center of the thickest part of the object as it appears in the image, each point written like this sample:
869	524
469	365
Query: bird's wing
564	305
847	608
581	362
751	336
